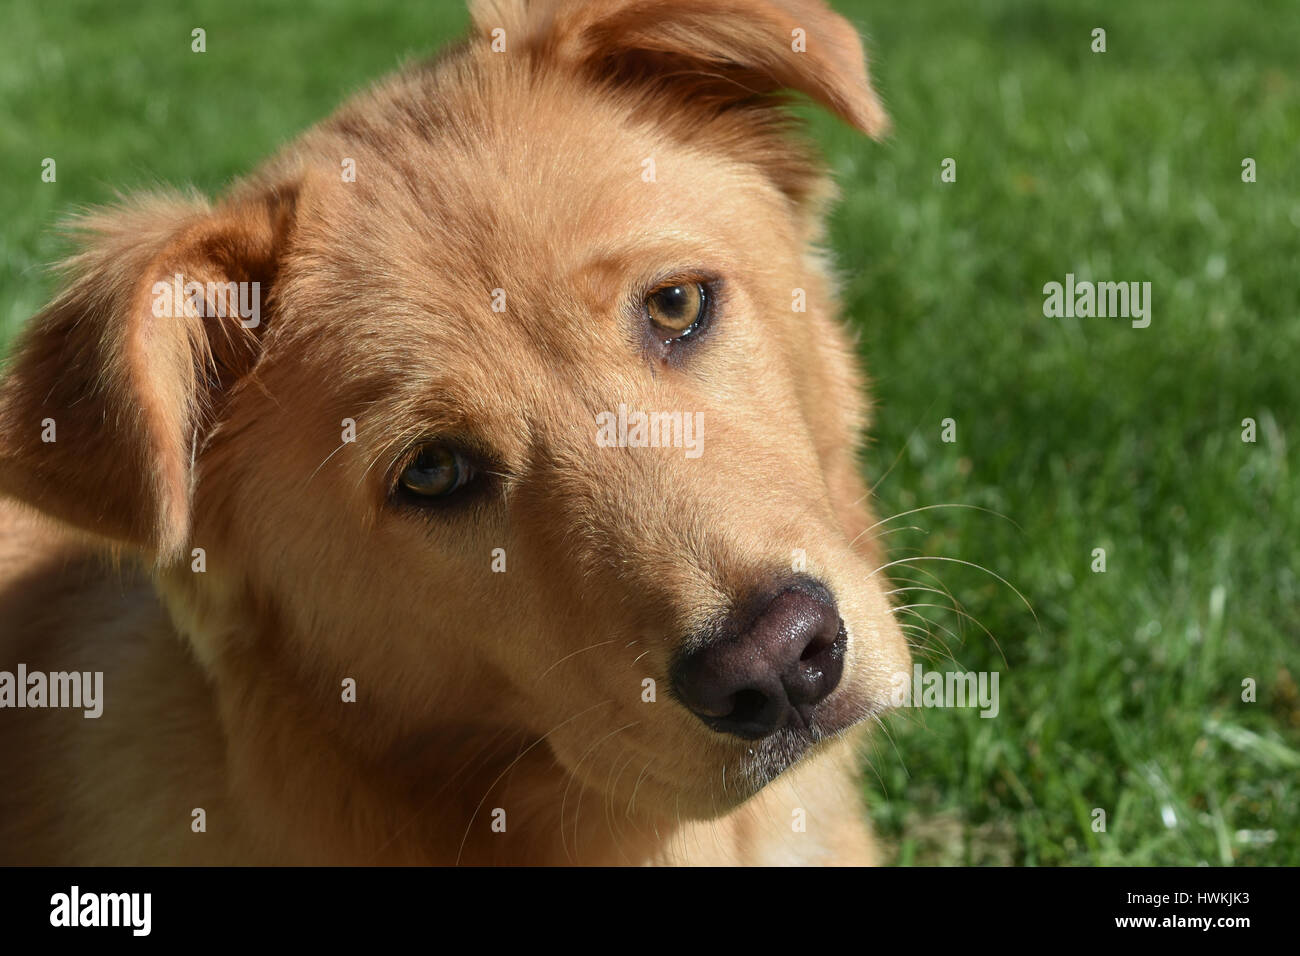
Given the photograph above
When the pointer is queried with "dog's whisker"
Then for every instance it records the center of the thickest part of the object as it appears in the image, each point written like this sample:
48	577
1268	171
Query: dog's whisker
631	803
929	639
912	511
901	452
325	460
389	447
944	589
577	813
573	776
918	587
978	567
566	657
386	450
884	728
611	788
953	604
887	533
469	826
482	755
961	612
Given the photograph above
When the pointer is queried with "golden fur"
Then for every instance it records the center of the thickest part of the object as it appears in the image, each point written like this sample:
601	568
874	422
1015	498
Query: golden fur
518	170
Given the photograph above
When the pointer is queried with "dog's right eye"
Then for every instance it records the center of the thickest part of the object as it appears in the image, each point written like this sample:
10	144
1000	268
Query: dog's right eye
436	471
678	309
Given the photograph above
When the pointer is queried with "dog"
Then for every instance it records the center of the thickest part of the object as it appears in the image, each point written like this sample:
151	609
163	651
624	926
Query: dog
477	482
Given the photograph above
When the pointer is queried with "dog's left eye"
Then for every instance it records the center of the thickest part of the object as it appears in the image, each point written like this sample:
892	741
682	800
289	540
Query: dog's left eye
437	471
679	308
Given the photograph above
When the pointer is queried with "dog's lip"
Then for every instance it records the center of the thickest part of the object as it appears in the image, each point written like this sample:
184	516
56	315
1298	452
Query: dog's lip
844	710
766	759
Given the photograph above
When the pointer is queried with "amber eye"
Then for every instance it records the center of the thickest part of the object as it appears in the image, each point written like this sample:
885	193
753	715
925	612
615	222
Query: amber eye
677	308
437	471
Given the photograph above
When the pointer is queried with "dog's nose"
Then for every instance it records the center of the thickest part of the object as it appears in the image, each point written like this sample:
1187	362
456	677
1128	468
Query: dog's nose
771	674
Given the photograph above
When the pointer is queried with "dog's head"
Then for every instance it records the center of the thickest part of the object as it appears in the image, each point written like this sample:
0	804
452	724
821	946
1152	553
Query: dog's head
537	416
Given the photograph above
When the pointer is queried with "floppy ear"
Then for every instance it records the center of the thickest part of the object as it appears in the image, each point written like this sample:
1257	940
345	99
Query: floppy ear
109	389
722	50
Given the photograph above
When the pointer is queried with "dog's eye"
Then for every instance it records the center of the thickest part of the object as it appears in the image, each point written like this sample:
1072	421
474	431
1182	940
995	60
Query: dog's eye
679	308
436	472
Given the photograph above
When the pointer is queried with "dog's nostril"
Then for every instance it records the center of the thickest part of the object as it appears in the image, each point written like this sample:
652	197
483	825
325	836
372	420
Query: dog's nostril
825	647
773	673
819	669
747	706
814	649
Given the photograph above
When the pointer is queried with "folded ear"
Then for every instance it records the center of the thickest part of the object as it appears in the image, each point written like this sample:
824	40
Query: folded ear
110	388
722	50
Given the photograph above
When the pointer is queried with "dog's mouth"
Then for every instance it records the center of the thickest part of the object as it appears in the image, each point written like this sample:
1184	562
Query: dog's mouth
764	760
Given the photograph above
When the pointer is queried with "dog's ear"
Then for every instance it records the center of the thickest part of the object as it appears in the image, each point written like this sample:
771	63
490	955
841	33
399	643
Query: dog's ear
109	390
723	51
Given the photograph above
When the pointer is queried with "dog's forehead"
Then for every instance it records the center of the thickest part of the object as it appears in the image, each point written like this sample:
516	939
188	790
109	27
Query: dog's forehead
464	197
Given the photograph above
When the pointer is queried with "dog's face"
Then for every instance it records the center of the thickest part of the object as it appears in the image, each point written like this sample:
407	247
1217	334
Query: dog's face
547	425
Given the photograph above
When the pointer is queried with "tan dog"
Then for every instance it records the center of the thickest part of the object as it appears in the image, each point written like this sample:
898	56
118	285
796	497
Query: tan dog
517	522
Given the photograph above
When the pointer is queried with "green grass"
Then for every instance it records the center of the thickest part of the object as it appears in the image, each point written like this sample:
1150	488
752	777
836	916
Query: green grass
1124	693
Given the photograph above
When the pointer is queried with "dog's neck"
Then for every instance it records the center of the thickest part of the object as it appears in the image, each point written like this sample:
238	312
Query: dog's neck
456	794
316	788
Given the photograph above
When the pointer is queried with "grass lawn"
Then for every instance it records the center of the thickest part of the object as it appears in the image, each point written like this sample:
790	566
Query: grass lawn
1121	691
